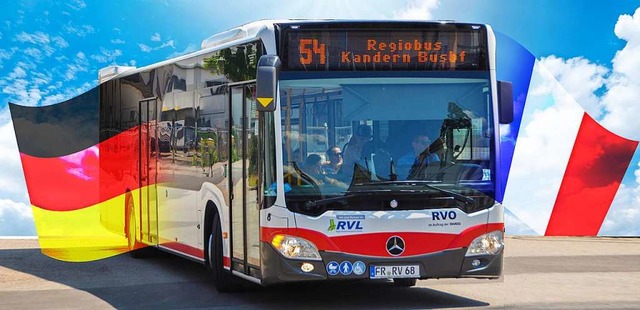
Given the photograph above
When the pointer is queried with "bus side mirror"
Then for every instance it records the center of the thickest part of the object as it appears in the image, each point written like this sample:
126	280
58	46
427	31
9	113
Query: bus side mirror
505	102
267	82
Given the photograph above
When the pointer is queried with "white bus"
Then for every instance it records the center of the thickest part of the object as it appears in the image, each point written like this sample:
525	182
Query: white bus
414	107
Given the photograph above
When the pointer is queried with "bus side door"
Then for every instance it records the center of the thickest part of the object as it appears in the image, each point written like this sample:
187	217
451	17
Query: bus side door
245	225
147	167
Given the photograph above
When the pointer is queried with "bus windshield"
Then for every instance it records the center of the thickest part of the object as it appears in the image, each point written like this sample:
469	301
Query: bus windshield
345	138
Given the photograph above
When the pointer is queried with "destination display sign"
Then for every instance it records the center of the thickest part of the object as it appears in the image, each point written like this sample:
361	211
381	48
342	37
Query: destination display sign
384	50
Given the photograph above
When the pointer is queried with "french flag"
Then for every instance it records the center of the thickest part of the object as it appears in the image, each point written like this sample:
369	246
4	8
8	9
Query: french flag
563	169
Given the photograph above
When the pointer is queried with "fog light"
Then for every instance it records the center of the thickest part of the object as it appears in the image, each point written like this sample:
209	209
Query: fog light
476	263
306	267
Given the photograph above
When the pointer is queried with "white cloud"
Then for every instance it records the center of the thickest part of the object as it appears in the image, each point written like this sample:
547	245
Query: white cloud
623	87
42	40
12	183
190	48
623	218
169	43
66	94
580	78
132	62
117	41
144	48
60	42
107	55
4	54
81	31
417	9
77	5
41	78
17	73
79	64
35	38
156	37
16	219
18	88
34	53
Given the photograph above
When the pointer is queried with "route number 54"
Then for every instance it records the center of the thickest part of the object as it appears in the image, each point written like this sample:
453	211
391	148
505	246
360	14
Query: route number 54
310	47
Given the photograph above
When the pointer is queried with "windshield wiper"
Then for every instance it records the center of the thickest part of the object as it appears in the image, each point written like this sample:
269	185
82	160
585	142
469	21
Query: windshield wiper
427	184
322	202
354	194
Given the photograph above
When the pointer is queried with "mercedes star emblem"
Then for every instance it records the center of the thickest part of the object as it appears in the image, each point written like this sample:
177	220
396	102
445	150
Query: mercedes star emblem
395	246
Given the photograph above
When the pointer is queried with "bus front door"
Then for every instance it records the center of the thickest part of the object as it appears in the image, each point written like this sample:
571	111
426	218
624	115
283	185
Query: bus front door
244	180
147	166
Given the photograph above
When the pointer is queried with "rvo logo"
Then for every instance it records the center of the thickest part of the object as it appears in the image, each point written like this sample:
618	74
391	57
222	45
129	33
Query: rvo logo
443	215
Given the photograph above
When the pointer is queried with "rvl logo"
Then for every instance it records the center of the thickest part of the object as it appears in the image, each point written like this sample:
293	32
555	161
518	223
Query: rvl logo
343	225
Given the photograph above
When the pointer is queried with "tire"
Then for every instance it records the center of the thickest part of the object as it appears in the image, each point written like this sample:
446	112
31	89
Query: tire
136	249
222	278
405	282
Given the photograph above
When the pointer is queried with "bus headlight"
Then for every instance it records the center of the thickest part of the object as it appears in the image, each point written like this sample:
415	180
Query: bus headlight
487	244
295	247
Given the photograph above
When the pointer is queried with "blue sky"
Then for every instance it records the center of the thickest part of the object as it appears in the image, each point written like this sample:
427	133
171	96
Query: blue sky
52	50
108	32
144	32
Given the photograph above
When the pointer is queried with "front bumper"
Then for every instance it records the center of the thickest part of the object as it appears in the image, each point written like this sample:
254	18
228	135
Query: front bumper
444	264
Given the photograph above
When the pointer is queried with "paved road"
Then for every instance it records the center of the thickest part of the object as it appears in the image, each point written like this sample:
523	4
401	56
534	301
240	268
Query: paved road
567	273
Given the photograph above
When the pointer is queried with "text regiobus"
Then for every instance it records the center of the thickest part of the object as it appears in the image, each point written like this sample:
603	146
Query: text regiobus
229	135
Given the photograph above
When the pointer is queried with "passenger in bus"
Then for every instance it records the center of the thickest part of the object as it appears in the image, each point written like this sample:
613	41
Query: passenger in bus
420	143
296	155
313	165
334	160
353	149
313	168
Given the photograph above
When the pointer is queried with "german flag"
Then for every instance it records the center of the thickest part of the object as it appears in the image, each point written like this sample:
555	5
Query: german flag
82	181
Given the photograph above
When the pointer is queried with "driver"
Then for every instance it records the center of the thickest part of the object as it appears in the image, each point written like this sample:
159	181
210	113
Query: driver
420	143
352	151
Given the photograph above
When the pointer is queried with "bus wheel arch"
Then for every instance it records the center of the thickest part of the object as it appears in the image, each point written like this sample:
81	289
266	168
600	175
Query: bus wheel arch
211	210
214	259
136	249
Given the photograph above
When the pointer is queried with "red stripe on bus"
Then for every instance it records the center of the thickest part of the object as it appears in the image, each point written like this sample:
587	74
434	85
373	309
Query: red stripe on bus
598	162
374	244
84	178
183	248
226	261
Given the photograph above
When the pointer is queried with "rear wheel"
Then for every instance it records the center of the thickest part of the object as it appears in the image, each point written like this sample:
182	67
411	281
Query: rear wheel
405	282
222	278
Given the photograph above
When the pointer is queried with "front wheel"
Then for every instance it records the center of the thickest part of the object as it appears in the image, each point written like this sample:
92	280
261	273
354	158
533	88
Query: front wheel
136	249
222	278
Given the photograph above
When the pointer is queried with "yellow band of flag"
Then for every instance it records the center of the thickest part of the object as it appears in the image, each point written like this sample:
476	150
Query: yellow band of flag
86	234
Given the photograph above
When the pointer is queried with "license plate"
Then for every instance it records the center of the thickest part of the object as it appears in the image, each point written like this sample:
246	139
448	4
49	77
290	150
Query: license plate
390	272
